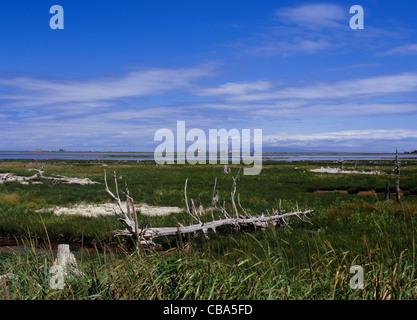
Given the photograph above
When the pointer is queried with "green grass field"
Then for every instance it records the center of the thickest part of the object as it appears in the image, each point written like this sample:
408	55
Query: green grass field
352	224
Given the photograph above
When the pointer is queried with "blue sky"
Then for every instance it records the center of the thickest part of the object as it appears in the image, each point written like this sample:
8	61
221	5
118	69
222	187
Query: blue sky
121	70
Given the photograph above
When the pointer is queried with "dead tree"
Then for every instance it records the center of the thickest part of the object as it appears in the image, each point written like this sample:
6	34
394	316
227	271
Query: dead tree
387	192
127	217
237	218
397	181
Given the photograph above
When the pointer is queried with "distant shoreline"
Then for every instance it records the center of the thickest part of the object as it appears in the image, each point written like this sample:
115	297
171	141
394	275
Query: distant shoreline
146	156
151	152
63	152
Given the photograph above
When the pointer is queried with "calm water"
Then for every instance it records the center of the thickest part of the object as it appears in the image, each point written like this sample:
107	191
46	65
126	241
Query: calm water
134	156
77	155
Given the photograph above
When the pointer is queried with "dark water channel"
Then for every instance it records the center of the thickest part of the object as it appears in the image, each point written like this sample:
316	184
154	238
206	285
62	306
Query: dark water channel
42	247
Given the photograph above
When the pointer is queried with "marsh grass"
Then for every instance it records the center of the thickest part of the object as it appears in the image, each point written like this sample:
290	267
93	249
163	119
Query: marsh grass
250	269
306	261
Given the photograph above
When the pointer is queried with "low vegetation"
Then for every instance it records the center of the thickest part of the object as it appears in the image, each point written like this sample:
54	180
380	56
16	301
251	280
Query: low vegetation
303	261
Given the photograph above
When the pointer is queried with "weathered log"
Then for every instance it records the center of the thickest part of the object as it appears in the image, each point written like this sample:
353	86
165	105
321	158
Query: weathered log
145	235
10	177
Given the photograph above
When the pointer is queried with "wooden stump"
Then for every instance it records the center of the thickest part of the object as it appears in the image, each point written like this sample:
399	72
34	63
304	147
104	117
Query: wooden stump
65	257
64	267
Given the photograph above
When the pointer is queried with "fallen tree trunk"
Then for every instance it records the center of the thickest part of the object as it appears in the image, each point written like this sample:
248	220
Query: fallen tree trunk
145	236
10	177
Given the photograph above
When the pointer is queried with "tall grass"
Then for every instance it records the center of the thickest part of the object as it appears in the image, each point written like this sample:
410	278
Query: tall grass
306	261
241	273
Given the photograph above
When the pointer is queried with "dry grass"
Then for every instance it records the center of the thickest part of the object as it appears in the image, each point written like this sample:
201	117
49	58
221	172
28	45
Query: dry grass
10	198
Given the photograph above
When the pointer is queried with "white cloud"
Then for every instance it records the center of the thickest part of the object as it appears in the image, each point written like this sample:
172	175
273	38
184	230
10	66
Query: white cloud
330	110
320	28
404	50
296	45
374	140
354	88
35	92
235	88
395	134
313	15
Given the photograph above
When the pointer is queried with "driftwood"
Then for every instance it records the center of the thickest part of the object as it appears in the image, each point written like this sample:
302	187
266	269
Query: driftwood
238	219
226	169
10	177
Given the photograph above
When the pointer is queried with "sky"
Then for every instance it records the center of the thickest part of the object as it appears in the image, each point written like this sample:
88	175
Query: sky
121	70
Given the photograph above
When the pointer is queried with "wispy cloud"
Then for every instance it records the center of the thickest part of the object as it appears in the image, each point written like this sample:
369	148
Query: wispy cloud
295	70
317	15
322	28
26	91
395	134
110	111
403	50
358	97
235	88
331	110
375	140
295	46
353	88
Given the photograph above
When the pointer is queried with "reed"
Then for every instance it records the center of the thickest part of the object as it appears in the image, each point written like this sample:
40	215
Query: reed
306	261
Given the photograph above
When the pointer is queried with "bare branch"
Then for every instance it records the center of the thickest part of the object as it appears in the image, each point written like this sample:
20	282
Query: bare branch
397	180
147	235
214	199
